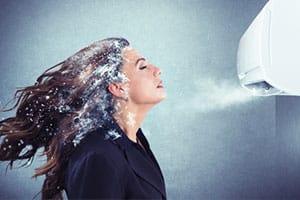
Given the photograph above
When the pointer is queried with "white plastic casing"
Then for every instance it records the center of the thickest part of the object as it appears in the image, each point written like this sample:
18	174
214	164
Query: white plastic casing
268	58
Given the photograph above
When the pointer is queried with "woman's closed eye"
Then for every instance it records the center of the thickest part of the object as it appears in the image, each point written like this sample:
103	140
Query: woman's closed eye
143	67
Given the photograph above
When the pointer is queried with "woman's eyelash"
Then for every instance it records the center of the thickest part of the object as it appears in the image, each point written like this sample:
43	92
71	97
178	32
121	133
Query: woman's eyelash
143	67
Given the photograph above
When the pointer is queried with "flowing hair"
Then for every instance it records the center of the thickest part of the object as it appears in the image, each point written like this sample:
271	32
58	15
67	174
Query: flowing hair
57	112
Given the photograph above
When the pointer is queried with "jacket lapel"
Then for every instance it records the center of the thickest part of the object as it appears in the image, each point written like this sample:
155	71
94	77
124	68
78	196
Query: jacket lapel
145	143
143	167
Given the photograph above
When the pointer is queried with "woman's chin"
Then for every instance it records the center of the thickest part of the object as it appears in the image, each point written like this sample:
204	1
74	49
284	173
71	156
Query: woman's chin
162	97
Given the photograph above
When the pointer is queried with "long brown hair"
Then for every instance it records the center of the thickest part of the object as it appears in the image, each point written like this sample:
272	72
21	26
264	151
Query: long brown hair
62	107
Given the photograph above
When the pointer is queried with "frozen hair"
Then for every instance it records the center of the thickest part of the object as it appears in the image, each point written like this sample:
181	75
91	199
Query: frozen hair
61	108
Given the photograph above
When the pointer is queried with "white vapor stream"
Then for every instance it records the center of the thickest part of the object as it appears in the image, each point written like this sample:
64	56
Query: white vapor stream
212	95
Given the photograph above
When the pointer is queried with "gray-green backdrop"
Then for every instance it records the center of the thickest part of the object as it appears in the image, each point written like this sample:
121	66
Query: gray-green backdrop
212	139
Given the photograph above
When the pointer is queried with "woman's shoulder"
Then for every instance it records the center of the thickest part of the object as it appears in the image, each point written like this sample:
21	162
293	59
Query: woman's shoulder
96	143
95	161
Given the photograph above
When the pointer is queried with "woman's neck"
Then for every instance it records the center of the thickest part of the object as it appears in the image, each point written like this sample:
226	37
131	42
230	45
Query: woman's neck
130	119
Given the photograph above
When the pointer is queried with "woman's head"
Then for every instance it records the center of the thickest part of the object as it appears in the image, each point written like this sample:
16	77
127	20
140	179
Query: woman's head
102	75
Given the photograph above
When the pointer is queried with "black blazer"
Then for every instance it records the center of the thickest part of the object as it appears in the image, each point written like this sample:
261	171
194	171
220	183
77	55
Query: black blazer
108	165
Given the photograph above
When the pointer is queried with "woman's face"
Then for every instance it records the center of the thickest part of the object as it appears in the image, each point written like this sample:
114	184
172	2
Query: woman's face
144	86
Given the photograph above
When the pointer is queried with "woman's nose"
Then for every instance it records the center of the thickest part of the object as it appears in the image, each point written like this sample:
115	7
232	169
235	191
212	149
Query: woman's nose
157	71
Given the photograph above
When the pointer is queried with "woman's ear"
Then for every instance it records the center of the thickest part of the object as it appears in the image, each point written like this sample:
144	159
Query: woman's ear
116	89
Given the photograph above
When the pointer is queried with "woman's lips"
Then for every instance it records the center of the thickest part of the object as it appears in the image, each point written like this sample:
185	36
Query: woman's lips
160	85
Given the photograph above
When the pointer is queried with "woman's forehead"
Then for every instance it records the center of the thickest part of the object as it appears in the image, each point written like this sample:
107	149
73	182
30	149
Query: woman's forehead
131	55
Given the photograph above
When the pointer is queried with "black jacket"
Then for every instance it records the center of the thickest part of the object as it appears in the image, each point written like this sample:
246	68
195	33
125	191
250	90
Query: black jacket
108	165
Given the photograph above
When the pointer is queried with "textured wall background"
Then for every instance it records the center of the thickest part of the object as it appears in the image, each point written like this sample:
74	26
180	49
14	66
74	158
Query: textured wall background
213	141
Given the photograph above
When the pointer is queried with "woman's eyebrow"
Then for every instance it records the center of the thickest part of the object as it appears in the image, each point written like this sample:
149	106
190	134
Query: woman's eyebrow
138	60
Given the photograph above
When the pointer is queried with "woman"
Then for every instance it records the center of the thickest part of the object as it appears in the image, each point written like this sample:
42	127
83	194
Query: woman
86	116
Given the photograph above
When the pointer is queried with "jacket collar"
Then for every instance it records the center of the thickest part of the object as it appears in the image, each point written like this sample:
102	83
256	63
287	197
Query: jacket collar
149	171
